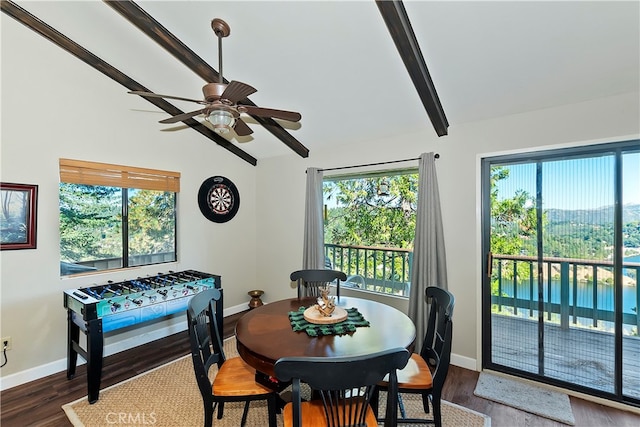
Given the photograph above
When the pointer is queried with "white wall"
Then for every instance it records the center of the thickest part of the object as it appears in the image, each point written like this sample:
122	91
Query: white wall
55	106
281	218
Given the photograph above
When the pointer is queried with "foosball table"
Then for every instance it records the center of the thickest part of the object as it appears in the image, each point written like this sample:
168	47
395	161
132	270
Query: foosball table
99	309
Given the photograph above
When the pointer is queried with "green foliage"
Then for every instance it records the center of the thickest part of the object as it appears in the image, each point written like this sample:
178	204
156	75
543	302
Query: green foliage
631	234
362	217
90	222
151	222
513	220
588	234
513	227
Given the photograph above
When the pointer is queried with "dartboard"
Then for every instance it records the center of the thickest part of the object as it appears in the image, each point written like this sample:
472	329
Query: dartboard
218	199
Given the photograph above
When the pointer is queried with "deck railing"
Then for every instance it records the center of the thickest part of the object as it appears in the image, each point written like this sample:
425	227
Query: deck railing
574	290
383	270
115	263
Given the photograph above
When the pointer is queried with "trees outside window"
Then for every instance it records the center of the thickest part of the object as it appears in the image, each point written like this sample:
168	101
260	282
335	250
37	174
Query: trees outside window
115	216
369	228
96	233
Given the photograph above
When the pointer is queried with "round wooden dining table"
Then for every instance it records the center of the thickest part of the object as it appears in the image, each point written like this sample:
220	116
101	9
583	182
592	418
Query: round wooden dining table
264	334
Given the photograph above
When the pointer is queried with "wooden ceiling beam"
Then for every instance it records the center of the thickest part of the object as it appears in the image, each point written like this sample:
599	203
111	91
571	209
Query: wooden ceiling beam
153	29
397	20
50	33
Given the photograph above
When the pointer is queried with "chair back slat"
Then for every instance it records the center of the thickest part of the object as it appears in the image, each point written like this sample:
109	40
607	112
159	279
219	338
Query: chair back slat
345	385
346	407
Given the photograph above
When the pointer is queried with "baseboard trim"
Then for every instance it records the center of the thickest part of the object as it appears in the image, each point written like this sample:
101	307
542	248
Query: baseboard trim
60	365
464	362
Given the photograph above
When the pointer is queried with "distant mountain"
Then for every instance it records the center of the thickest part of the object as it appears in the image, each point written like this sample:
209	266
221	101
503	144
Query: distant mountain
630	213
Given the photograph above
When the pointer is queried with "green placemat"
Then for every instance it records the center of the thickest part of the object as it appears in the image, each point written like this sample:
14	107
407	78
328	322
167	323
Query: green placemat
354	319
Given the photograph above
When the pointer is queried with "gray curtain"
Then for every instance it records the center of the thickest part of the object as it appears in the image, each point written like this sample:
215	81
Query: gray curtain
429	266
313	251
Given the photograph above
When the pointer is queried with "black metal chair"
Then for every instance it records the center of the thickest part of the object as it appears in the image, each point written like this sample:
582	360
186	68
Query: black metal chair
426	371
235	380
310	281
345	386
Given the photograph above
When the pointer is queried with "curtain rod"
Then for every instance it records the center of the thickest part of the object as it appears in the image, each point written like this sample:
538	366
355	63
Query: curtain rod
437	156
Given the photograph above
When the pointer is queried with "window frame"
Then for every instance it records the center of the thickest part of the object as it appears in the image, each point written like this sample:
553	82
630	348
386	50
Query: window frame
124	179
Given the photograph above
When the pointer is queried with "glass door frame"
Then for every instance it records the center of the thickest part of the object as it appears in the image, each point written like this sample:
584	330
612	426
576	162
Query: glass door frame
617	149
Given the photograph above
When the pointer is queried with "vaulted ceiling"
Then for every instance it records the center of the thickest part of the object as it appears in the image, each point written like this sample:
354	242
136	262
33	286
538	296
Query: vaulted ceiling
338	64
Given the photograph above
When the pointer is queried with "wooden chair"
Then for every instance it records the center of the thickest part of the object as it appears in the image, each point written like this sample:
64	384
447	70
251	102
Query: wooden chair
235	380
345	386
426	371
310	281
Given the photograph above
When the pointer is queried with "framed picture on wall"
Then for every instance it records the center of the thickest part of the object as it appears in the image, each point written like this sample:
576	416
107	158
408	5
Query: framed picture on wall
18	216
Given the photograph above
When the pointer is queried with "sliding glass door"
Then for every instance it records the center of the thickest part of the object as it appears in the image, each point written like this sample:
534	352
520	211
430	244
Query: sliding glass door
561	241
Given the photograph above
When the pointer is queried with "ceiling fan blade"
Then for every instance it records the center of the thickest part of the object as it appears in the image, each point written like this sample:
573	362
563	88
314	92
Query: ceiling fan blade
180	117
241	128
156	95
291	116
237	91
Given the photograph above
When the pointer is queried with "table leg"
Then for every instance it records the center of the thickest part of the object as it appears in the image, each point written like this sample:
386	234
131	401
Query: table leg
95	345
73	335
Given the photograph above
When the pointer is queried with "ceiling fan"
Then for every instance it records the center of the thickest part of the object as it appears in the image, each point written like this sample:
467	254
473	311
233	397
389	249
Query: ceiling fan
221	105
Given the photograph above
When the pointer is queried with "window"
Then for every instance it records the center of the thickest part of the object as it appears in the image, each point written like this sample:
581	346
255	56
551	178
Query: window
369	228
115	216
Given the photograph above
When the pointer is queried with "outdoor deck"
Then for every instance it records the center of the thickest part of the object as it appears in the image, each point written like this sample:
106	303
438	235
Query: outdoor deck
576	355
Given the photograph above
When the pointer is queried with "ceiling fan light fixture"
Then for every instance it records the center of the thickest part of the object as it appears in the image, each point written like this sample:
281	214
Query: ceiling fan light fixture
221	120
222	104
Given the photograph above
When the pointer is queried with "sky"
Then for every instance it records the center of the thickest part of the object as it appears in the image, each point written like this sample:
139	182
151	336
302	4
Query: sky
584	183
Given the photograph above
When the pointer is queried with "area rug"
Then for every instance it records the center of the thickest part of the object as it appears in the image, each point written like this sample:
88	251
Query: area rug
168	396
521	395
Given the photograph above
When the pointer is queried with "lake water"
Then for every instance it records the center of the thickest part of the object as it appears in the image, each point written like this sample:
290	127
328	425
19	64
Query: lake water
635	258
584	294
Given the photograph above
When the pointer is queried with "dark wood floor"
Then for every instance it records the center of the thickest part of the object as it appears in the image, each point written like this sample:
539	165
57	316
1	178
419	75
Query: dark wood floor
38	403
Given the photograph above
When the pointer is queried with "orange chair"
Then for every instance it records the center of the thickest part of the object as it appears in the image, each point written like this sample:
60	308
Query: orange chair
345	386
235	380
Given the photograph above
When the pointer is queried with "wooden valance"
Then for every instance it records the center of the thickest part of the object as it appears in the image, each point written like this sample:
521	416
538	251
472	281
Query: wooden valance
93	173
